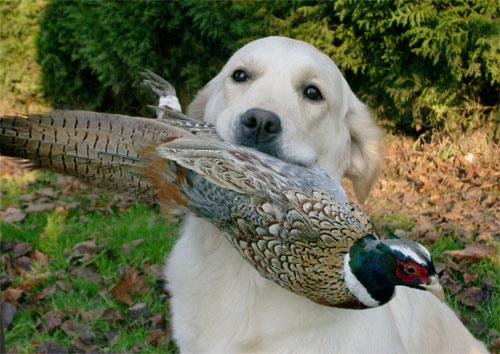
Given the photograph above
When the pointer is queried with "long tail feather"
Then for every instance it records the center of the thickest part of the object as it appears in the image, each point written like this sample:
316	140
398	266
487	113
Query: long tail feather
101	149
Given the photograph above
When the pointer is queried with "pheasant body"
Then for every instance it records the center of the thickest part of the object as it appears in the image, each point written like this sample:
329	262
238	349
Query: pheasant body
292	223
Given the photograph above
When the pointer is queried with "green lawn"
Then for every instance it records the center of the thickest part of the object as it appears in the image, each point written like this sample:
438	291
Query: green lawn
80	288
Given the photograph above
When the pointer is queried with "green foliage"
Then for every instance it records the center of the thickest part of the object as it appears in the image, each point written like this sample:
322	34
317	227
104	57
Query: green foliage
430	63
20	80
433	63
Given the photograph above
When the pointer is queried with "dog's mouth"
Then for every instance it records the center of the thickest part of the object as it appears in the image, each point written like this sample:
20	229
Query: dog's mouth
263	131
297	154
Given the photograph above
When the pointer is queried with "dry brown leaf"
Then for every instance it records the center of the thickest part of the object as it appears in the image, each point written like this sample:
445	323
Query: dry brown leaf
131	283
88	316
84	343
48	290
157	337
470	277
471	297
120	293
112	315
13	215
495	345
84	251
53	319
72	327
155	270
34	280
39	257
51	347
12	294
46	192
21	249
140	309
472	253
21	265
36	208
156	322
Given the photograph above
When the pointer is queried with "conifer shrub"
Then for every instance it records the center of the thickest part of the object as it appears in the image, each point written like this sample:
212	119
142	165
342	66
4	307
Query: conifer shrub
419	65
20	75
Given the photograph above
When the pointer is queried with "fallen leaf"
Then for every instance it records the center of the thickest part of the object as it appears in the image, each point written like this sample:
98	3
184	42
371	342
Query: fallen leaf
34	280
39	257
8	312
439	267
131	283
22	265
452	286
492	333
12	294
53	319
46	192
36	208
469	277
471	297
157	337
48	290
472	253
84	343
495	344
431	236
84	251
138	310
51	347
72	327
451	264
155	270
156	322
400	233
112	315
22	248
479	327
120	293
13	215
88	316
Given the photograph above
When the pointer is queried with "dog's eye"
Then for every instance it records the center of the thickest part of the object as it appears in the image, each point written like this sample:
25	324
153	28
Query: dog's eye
240	76
313	93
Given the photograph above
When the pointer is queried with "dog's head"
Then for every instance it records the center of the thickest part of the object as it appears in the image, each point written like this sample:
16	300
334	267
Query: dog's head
286	98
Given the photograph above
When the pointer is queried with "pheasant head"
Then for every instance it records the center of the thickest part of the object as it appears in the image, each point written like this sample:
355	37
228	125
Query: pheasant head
373	268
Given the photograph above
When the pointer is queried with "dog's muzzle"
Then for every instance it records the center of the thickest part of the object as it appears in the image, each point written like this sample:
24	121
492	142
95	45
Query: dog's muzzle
259	129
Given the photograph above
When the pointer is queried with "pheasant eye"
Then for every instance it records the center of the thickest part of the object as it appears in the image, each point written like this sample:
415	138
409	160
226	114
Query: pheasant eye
313	93
240	76
410	269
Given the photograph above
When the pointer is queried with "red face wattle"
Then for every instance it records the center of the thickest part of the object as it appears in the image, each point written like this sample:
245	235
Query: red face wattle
409	272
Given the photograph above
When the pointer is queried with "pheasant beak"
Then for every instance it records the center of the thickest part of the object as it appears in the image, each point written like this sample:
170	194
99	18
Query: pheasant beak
434	287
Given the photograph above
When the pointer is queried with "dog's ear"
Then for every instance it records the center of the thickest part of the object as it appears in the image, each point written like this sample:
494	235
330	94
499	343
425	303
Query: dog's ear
196	108
366	149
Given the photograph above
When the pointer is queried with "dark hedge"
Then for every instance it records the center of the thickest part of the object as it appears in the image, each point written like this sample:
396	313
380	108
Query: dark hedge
418	64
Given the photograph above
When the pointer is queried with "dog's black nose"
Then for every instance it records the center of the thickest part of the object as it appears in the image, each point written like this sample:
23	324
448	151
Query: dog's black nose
259	126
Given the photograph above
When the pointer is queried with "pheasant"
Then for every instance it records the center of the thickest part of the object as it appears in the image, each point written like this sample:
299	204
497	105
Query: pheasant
293	224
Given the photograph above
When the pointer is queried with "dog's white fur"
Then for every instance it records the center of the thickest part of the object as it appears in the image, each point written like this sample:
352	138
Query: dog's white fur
219	303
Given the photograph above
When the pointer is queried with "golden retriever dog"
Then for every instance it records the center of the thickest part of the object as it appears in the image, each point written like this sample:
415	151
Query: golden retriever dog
286	98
